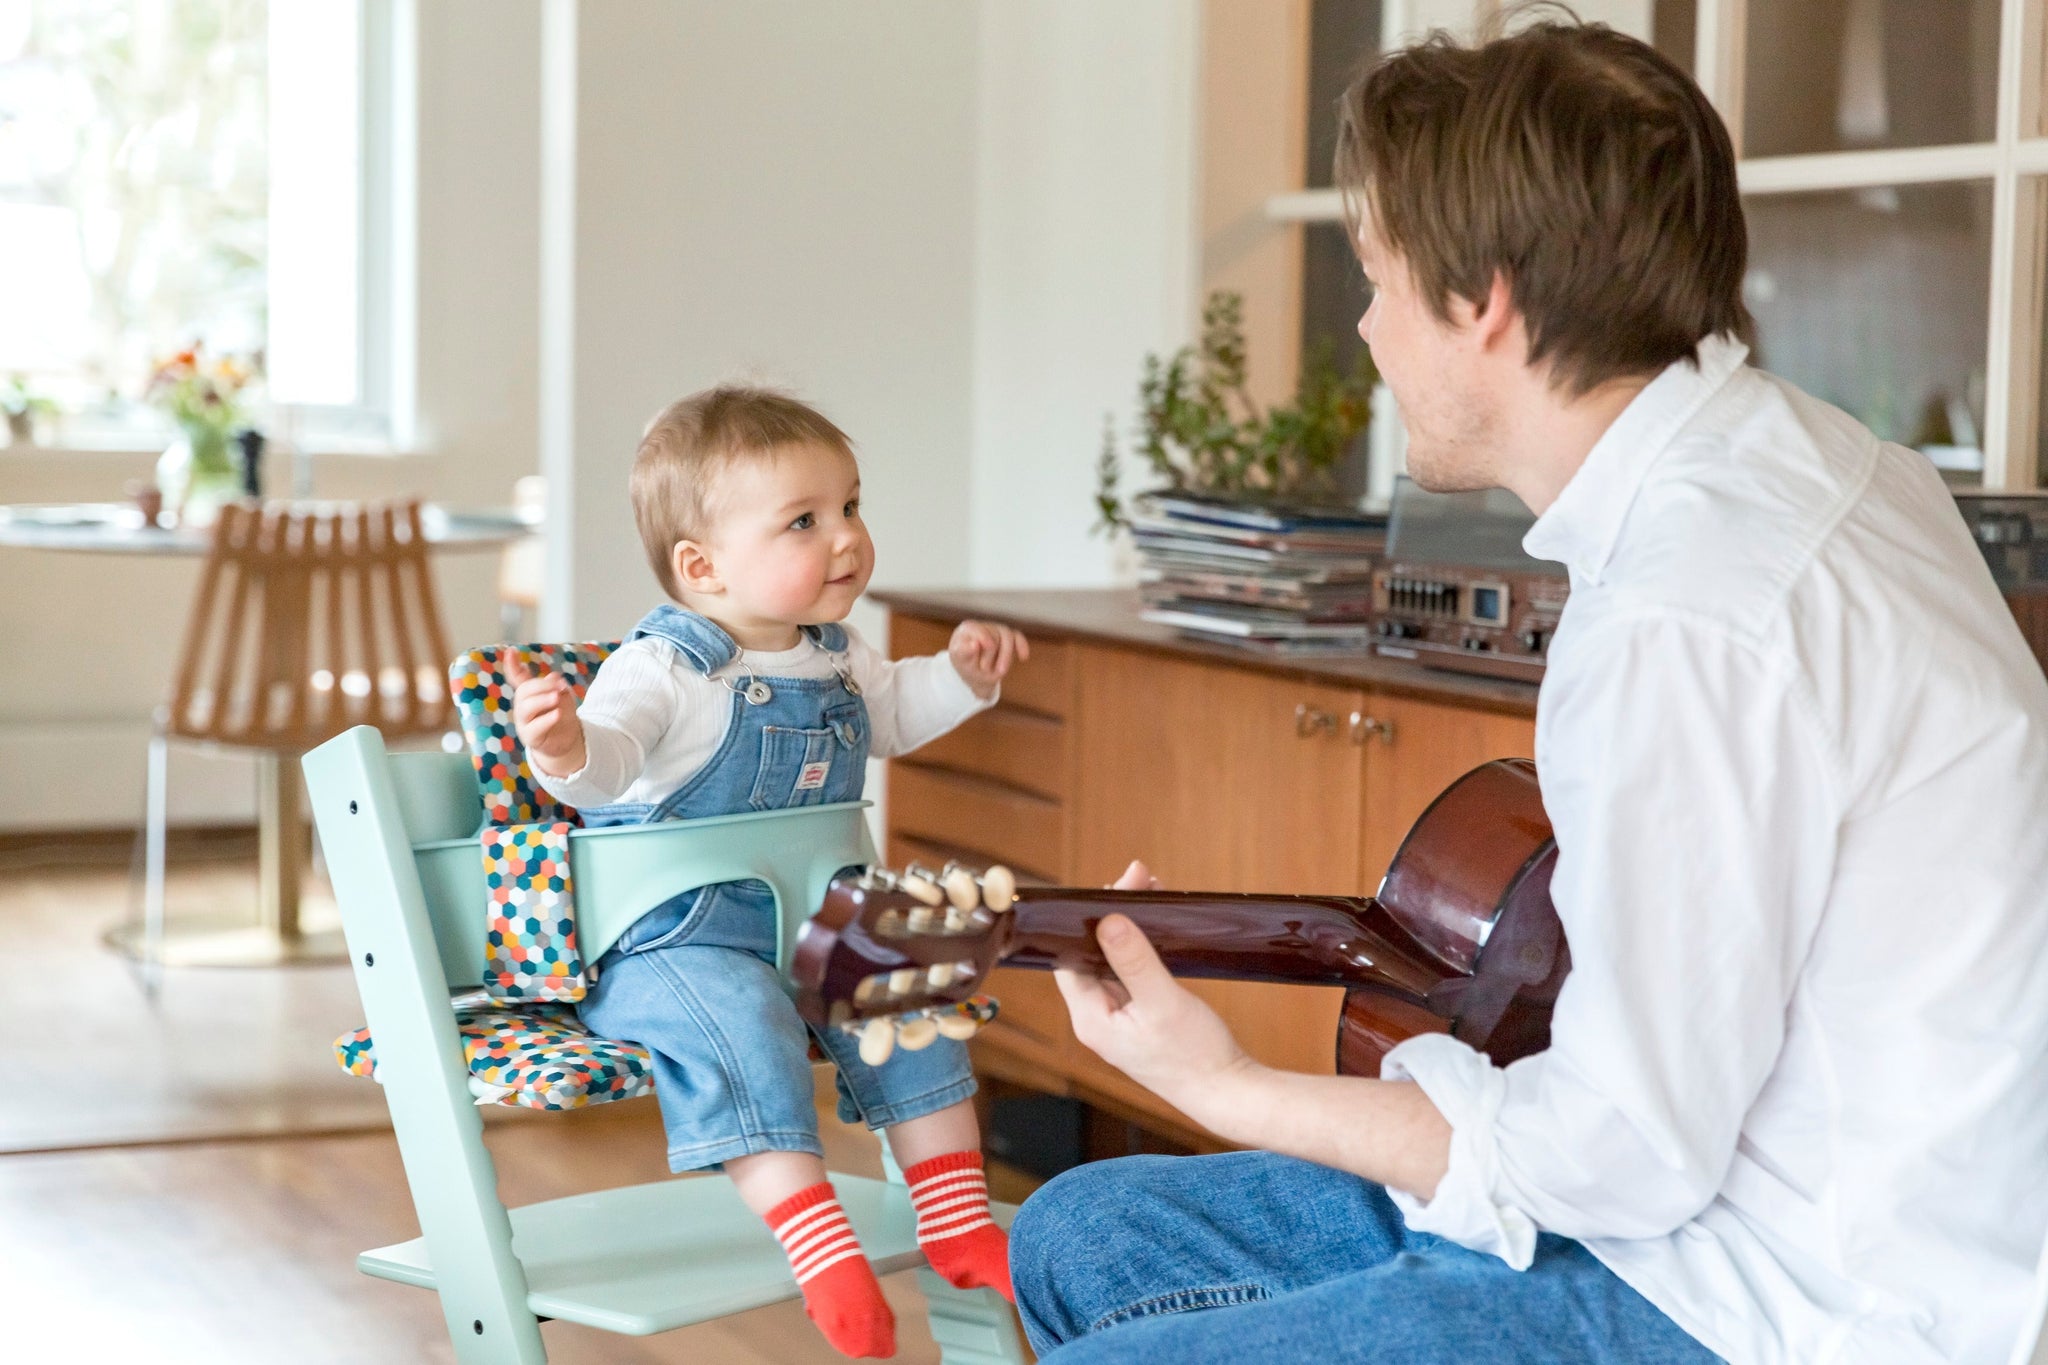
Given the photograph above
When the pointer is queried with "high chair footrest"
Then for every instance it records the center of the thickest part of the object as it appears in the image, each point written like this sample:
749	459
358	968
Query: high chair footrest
648	1258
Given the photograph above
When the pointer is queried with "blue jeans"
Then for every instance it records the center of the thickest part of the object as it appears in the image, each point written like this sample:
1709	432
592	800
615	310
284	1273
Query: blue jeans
1252	1258
694	982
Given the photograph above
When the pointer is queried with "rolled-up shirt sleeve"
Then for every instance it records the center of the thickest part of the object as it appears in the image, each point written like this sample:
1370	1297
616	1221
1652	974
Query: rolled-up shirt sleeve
911	702
631	702
1695	806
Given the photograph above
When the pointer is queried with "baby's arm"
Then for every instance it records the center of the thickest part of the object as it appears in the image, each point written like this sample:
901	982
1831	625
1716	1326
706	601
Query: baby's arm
911	702
589	755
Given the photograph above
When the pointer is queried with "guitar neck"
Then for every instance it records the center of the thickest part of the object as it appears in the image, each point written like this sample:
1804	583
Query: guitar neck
1314	940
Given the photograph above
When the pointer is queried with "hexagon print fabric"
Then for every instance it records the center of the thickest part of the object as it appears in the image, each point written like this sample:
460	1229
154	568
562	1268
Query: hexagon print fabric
483	699
530	950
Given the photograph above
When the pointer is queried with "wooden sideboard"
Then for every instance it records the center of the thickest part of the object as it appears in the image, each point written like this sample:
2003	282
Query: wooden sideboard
1224	770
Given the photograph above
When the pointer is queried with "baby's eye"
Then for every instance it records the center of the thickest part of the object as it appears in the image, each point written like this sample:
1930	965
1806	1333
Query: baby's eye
804	522
853	509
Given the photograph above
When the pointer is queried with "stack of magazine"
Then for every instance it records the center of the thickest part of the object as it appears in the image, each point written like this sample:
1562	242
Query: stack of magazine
1284	579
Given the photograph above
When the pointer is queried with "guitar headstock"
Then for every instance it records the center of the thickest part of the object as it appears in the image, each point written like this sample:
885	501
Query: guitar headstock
898	958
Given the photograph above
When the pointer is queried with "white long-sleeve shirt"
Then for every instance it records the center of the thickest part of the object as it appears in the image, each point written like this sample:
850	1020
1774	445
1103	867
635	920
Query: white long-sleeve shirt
651	720
1796	755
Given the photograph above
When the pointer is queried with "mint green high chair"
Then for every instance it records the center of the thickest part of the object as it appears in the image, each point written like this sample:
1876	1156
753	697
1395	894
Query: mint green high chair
400	835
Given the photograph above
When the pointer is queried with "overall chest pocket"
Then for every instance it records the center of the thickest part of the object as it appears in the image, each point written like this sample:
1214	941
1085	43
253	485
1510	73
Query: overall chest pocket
813	767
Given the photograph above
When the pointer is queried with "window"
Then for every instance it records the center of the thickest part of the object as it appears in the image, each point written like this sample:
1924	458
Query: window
1892	163
174	171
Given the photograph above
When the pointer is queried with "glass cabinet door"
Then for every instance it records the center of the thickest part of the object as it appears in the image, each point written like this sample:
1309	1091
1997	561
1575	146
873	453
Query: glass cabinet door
1842	75
1876	300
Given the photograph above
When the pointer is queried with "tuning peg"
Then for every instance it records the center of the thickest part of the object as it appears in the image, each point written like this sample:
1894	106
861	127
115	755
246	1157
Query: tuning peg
877	1041
903	980
924	919
939	975
919	882
959	1027
957	920
916	1033
961	888
999	888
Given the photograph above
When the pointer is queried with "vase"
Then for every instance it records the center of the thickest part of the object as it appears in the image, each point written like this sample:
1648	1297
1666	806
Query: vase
198	475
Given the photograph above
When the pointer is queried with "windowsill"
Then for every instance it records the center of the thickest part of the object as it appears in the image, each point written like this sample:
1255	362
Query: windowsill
132	448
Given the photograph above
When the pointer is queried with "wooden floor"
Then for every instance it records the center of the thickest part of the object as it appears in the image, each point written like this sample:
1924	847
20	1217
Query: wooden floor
231	1251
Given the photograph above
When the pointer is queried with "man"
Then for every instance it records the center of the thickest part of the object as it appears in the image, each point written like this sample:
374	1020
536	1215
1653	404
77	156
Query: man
1796	755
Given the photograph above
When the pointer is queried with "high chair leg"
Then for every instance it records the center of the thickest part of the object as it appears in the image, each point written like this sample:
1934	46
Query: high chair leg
971	1326
155	817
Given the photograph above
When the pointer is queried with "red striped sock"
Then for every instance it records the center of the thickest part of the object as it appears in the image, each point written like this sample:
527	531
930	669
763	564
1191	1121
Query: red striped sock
962	1242
841	1293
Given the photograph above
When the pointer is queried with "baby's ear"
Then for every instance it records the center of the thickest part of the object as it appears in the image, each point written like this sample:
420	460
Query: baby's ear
690	564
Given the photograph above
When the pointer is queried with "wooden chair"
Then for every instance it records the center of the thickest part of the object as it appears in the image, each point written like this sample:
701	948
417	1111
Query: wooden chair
309	619
400	832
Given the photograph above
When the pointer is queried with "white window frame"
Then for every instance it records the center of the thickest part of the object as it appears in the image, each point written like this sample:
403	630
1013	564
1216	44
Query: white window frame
384	417
2015	162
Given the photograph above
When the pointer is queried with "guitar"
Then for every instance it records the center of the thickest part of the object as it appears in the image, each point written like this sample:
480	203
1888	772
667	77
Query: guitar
1462	937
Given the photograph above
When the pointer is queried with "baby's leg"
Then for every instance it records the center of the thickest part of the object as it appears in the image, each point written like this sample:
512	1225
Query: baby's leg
736	1088
941	1157
841	1294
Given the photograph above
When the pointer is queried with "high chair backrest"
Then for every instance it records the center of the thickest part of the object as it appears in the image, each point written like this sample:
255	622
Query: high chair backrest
483	698
311	618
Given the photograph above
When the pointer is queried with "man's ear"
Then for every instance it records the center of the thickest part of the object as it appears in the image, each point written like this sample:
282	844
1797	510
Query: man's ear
1494	318
691	565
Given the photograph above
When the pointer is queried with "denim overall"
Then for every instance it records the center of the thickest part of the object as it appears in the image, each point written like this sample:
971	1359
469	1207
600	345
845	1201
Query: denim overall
694	979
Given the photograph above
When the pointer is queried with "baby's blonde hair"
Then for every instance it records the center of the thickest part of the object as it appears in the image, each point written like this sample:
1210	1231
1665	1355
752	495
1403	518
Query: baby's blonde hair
691	440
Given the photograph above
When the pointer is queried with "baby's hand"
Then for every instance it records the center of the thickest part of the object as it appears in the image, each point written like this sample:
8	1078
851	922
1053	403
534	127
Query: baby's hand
982	654
544	714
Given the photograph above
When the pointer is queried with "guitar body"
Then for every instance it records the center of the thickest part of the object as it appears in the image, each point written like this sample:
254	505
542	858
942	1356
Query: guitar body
1462	937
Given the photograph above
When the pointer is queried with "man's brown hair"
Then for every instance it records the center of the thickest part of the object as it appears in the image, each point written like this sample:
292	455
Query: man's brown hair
691	440
1576	162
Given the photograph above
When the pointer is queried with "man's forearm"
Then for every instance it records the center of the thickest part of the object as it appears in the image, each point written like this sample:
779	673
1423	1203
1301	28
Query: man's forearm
1386	1131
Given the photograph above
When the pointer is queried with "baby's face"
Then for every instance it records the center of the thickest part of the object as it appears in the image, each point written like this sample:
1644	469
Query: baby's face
787	538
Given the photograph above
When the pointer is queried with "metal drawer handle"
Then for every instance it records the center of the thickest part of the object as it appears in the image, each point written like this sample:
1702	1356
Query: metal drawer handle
1308	720
1364	727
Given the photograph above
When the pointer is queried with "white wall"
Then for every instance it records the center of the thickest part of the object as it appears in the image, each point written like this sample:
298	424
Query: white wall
783	191
1086	257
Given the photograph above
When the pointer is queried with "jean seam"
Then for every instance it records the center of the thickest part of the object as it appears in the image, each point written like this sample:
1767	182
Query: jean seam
933	1100
697	1155
1184	1301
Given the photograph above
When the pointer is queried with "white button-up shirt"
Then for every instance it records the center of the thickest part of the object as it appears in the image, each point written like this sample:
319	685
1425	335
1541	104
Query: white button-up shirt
1796	755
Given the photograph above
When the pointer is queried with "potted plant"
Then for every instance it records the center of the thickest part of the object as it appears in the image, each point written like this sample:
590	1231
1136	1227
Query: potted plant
1200	431
203	395
23	405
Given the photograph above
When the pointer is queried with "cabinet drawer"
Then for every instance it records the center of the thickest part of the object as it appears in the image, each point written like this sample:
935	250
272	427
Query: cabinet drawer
1018	748
1042	683
985	819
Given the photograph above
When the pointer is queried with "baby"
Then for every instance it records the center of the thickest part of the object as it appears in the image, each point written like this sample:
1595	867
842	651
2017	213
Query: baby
751	696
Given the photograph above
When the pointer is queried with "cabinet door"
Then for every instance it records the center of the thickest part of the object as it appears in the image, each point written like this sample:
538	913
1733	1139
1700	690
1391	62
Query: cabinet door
1222	780
1417	749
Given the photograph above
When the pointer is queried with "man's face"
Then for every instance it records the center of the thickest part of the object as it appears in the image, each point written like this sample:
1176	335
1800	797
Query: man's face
1434	372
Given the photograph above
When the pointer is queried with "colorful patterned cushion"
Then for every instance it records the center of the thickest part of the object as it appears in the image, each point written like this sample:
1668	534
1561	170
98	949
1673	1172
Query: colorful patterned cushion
530	951
539	1056
484	701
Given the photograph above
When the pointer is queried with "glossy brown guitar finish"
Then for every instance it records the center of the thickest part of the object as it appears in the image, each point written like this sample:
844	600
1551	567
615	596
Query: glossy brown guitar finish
1462	936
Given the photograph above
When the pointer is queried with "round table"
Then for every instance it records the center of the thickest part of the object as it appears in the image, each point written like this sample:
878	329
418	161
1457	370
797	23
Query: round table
278	937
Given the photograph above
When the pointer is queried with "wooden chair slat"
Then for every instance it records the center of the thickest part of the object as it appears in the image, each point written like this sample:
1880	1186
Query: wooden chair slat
296	604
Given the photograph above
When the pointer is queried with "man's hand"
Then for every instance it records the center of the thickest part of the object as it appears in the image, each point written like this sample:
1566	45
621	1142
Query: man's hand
1149	1026
983	652
544	714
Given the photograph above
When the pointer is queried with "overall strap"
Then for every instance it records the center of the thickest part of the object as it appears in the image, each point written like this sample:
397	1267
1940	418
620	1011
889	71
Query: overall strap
705	643
697	638
830	637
